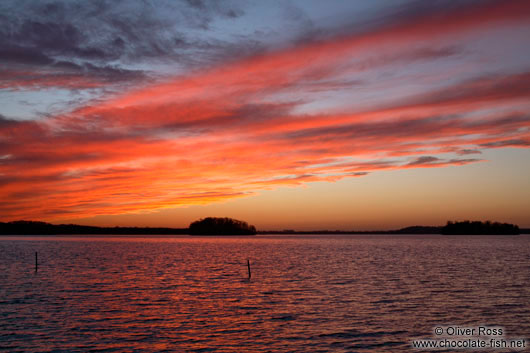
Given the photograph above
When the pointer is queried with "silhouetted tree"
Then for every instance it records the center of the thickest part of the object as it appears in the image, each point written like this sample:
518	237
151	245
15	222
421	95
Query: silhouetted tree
221	226
477	227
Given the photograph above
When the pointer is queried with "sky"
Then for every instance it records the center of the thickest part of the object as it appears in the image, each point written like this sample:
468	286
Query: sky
285	114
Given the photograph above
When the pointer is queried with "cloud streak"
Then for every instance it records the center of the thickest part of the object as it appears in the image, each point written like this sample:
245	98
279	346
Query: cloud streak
309	112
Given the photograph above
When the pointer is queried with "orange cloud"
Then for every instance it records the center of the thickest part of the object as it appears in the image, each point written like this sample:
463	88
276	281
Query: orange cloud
234	130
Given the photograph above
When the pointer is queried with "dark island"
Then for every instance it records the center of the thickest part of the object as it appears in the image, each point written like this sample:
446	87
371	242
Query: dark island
221	226
228	226
206	226
479	228
43	228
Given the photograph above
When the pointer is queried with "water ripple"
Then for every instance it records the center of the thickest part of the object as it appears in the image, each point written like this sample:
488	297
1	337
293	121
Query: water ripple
313	294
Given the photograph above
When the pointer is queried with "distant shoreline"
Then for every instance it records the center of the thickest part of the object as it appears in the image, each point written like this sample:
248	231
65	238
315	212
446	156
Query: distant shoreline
43	229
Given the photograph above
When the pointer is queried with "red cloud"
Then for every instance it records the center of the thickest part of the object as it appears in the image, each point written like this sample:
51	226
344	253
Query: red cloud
17	80
221	134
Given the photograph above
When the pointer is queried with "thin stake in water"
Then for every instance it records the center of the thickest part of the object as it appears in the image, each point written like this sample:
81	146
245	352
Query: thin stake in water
36	262
248	265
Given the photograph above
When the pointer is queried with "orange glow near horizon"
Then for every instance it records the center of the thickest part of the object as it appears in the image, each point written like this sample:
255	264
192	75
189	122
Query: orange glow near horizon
255	125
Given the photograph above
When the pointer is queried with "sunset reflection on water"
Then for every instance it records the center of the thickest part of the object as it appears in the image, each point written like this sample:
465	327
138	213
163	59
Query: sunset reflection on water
307	293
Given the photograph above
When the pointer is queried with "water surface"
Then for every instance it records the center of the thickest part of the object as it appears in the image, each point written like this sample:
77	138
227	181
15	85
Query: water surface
307	293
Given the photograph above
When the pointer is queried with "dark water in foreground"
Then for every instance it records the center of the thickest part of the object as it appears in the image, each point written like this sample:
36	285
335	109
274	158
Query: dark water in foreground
307	293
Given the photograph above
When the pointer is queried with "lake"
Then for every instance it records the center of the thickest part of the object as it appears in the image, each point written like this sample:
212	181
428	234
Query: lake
325	293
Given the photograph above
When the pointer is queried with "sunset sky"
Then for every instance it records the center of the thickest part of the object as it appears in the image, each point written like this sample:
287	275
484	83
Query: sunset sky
285	114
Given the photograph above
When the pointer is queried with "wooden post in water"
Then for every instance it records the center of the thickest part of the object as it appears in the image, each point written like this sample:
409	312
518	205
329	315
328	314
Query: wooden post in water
248	265
36	262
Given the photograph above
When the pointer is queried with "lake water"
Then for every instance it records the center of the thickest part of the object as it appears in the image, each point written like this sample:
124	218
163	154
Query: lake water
306	294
